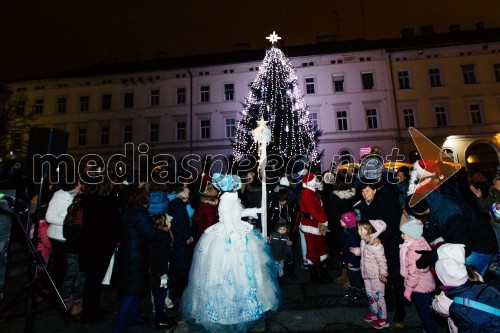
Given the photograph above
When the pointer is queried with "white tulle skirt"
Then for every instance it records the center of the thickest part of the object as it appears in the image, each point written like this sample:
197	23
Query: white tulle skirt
232	282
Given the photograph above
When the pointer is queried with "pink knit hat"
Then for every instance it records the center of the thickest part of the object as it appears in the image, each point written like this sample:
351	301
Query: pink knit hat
349	219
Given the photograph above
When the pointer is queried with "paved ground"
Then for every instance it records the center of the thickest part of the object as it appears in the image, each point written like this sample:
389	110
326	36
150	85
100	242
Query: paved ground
307	308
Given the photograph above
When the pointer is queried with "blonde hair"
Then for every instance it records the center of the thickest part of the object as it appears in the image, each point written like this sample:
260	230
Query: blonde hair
365	224
160	222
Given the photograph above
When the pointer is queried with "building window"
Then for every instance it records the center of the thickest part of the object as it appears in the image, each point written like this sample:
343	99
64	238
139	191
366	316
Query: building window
20	108
16	141
310	85
342	120
440	116
367	80
229	91
230	127
61	104
205	94
409	117
338	83
128	100
314	118
371	118
84	103
435	77
469	73
105	130
106	102
475	113
154	98
154	132
127	133
39	106
181	95
205	129
404	79
180	131
496	69
82	136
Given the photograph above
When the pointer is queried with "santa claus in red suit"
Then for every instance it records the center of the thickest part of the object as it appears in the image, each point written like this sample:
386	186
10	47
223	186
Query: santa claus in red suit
312	215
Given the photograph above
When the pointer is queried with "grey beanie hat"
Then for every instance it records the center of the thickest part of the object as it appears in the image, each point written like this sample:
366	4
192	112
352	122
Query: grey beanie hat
413	228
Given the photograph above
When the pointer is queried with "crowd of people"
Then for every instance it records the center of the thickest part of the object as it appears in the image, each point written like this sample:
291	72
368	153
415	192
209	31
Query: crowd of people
197	246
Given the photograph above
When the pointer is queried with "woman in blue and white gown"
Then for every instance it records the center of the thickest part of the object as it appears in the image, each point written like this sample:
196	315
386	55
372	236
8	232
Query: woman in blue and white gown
233	279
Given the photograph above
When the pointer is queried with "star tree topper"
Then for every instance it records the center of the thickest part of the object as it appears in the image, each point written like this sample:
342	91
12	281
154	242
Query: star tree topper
273	38
262	132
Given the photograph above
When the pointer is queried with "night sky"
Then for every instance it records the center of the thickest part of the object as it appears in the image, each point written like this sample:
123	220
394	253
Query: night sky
40	37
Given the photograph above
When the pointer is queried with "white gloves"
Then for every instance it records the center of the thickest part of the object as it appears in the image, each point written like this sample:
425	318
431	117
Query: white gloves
251	212
163	281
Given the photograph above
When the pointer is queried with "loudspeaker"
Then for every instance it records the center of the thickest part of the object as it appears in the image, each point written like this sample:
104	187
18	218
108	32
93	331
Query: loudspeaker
45	145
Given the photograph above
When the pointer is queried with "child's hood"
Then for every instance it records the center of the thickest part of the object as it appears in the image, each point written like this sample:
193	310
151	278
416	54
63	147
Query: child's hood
420	244
379	226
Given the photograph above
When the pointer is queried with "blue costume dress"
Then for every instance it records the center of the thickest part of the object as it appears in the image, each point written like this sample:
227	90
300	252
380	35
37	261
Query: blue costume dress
233	280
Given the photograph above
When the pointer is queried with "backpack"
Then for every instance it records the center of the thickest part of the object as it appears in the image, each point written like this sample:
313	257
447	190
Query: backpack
478	315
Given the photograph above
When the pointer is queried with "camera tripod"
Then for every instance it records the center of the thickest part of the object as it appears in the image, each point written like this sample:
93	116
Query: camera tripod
26	293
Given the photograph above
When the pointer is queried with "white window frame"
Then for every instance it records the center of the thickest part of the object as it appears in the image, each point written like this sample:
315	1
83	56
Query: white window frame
180	95
435	77
230	129
334	76
84	105
404	79
154	133
205	129
62	106
180	130
373	80
372	121
475	112
105	134
343	118
128	131
204	93
314	116
409	116
469	74
440	113
229	93
39	106
310	85
154	97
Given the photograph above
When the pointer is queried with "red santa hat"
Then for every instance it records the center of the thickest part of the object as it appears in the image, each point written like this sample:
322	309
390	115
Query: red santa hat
309	180
427	168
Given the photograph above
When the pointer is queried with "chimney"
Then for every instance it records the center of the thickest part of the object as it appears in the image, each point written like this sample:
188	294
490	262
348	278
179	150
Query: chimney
407	32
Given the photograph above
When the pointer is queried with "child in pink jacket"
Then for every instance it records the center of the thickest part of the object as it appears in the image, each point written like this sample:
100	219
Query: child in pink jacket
373	270
419	283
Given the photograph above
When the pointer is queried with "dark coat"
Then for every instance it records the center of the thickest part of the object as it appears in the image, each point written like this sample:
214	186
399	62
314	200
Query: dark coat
387	210
136	232
100	231
350	238
160	255
181	226
458	223
340	202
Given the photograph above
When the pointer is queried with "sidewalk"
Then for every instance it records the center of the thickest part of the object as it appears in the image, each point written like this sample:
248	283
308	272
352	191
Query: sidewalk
306	307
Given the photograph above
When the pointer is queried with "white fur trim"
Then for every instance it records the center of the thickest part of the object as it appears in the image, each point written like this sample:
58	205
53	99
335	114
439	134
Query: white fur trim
311	230
413	182
345	194
323	257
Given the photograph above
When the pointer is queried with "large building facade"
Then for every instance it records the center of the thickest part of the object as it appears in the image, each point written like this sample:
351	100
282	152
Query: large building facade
359	94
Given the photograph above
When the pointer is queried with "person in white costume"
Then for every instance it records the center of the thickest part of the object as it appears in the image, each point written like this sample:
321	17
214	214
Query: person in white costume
233	279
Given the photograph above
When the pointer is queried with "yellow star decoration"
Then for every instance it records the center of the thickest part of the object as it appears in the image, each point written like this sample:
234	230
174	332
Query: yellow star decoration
273	38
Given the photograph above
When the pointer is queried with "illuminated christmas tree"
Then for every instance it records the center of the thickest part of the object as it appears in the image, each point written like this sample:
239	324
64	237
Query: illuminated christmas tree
275	96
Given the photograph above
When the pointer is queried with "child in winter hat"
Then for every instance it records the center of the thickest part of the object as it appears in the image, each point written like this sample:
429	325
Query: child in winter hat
349	219
351	262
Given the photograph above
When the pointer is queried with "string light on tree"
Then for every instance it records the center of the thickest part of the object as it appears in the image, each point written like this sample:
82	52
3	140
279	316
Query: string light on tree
275	97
